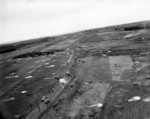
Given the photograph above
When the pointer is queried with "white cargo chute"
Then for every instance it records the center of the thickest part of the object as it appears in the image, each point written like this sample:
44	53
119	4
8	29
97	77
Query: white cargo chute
135	98
63	81
147	99
97	105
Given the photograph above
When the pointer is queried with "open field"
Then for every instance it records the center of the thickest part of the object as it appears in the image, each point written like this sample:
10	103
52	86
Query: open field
107	66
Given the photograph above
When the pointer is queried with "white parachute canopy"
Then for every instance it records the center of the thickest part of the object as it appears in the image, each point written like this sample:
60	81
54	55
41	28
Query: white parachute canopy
146	99
135	98
97	105
23	91
63	81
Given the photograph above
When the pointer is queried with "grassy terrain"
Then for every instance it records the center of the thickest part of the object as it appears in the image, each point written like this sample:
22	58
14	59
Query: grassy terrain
110	65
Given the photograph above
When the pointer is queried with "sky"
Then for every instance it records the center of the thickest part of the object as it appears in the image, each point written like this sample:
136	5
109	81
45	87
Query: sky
26	19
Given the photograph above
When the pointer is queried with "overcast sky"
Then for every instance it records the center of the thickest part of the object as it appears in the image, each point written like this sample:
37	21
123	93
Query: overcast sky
24	19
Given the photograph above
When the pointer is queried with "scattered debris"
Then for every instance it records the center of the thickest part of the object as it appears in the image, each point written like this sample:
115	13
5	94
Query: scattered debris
18	59
16	76
135	98
12	76
51	66
147	99
46	63
104	55
37	61
70	58
53	73
147	77
62	64
43	98
9	60
86	83
39	66
67	73
47	101
46	78
136	62
67	49
57	78
9	99
115	65
17	116
12	73
2	65
29	58
31	71
51	91
8	77
31	66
